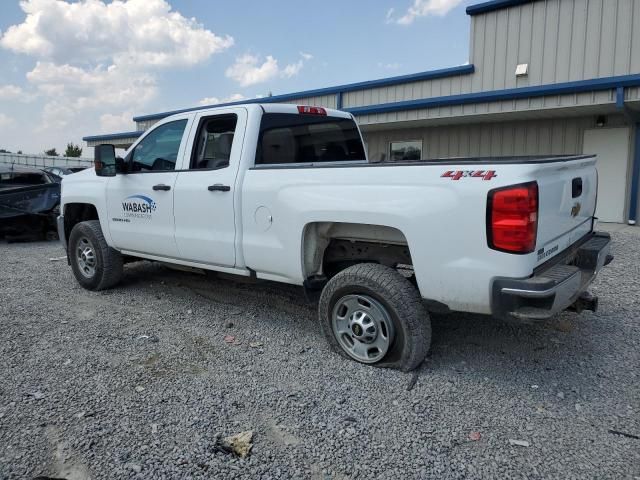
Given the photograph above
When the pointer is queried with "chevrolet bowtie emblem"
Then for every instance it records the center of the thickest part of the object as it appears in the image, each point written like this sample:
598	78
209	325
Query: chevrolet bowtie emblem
576	209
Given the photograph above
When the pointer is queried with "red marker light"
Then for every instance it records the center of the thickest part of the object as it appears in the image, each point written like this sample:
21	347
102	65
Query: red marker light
307	110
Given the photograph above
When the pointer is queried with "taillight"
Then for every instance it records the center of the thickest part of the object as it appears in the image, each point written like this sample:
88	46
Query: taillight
512	218
311	110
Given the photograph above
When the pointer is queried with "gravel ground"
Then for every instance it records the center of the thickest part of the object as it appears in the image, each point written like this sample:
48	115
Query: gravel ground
138	382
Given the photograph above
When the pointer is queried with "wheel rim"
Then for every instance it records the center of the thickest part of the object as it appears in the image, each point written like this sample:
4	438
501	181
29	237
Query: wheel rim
363	327
86	257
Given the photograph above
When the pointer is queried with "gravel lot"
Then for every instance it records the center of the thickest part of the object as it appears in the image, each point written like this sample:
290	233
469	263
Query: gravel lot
138	382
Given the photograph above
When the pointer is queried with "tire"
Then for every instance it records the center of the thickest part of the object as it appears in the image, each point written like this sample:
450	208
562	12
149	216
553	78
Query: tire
395	312
102	268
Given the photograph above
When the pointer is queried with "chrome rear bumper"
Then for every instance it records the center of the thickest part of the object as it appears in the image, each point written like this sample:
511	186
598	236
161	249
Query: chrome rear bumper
557	286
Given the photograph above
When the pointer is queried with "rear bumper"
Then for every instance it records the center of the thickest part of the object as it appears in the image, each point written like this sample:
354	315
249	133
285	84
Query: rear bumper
555	287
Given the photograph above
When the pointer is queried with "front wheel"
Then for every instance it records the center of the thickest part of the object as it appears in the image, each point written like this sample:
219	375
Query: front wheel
372	314
95	264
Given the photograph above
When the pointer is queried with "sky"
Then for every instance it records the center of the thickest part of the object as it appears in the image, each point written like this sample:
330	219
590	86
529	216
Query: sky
69	69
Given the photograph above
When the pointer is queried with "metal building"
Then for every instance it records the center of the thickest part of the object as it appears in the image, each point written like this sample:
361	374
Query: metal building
544	77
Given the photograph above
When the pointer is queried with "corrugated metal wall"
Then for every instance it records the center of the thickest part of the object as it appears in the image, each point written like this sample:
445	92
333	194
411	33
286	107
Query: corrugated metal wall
532	137
561	40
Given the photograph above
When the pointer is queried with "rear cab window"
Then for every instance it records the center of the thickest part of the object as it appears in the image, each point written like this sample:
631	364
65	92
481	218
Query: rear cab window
307	139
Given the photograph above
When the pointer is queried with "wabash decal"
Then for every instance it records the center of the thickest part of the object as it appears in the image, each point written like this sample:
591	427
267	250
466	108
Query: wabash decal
138	206
458	174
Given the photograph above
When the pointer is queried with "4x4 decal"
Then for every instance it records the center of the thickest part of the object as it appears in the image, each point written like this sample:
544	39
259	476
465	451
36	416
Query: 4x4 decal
458	174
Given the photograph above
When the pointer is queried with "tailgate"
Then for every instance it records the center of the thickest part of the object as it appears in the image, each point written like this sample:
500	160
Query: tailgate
567	202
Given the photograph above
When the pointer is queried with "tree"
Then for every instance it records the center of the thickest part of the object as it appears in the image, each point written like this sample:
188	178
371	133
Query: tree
19	152
73	150
51	152
2	150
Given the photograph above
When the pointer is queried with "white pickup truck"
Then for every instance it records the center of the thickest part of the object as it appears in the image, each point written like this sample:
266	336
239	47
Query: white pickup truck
285	193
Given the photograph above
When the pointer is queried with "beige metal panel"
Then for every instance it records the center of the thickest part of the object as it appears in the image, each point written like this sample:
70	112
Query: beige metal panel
604	100
557	136
561	40
578	46
594	32
634	53
550	44
622	41
407	91
328	101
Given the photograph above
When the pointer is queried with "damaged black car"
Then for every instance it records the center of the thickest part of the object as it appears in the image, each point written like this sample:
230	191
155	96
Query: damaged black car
29	203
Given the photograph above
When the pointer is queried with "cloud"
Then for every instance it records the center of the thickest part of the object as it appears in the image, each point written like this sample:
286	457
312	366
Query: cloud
70	90
247	69
292	69
93	87
110	123
15	93
5	120
95	57
10	92
423	8
236	97
389	66
139	33
389	17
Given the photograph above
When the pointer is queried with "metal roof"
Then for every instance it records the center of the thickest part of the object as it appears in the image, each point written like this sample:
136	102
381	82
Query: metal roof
338	90
492	5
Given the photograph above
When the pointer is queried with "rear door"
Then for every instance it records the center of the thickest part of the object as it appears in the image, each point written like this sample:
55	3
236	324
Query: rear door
612	147
140	202
205	193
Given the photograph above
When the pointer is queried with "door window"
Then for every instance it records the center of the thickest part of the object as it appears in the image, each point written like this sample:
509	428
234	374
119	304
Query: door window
212	149
158	151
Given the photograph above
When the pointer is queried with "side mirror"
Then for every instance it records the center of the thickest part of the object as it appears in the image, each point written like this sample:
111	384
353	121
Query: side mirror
104	159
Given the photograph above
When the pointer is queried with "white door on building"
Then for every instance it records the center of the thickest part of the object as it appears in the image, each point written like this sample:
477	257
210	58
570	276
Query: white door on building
612	147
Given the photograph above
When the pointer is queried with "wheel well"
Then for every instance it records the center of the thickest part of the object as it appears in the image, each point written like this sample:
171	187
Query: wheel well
329	247
75	213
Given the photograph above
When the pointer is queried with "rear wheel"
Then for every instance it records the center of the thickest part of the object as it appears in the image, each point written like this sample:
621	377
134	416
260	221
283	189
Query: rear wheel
95	264
372	314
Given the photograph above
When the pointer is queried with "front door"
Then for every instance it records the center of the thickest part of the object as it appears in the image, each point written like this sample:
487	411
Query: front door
140	202
205	193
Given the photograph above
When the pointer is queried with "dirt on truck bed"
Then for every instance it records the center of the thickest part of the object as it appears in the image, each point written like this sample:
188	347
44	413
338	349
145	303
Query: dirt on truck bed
148	379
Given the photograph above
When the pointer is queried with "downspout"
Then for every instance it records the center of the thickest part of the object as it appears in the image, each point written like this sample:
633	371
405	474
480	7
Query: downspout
632	117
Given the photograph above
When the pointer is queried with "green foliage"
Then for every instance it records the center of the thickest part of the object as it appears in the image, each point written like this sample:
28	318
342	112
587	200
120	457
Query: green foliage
73	150
51	152
2	150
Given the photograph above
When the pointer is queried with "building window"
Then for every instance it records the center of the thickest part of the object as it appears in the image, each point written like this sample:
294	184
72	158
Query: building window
407	150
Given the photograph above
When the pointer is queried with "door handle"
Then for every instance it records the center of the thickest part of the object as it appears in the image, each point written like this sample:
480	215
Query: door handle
162	186
218	187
